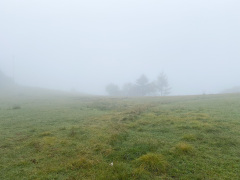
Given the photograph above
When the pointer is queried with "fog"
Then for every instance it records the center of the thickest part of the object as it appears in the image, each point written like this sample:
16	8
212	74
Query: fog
86	44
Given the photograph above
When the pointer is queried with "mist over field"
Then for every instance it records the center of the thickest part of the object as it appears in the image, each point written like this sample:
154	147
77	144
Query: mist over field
85	45
82	85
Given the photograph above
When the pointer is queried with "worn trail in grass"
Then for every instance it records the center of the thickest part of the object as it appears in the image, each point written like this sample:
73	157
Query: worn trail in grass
66	137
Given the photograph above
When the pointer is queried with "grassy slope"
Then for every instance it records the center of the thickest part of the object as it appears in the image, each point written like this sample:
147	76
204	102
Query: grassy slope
63	137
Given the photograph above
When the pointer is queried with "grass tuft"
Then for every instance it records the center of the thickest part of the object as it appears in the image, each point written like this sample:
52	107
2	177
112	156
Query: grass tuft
189	137
183	148
72	132
15	107
81	163
62	128
152	162
119	171
141	173
36	145
46	133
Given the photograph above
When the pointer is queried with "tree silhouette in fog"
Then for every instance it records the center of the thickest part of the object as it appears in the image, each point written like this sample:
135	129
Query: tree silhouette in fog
162	85
141	87
113	90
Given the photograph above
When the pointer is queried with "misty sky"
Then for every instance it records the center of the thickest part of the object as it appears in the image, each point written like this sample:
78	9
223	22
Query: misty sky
86	44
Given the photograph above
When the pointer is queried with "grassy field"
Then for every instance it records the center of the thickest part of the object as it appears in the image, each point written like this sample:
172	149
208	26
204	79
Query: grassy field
74	137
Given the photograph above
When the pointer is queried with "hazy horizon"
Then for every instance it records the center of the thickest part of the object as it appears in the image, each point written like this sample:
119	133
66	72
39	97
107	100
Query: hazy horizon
85	45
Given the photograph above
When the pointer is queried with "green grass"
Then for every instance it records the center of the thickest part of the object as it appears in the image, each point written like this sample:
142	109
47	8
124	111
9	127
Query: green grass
73	137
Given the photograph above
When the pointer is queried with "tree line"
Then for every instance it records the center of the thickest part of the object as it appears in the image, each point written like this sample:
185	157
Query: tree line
141	87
